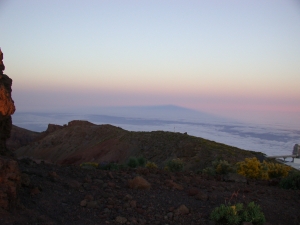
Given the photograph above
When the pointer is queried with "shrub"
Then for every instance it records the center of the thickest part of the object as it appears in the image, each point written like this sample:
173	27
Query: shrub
236	214
223	167
276	170
141	161
151	165
227	214
252	168
219	167
174	165
209	171
292	181
132	162
253	214
89	165
109	166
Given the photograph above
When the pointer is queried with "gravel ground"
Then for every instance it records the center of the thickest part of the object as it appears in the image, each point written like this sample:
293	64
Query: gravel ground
53	194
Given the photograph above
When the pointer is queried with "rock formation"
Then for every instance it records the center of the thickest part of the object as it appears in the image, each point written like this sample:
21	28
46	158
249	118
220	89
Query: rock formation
2	67
9	171
7	108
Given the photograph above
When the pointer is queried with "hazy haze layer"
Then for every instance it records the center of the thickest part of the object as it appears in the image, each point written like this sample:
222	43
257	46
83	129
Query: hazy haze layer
238	59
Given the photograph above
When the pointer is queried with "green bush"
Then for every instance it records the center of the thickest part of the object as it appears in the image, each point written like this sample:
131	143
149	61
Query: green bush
223	167
219	167
89	165
292	181
174	165
110	166
236	214
132	162
141	161
253	214
209	171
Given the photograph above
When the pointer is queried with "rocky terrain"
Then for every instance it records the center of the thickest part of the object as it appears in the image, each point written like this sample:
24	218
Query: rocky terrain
82	141
53	194
20	137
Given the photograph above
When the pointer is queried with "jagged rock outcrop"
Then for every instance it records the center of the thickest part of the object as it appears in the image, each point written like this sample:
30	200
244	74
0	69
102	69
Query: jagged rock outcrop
7	108
10	176
2	67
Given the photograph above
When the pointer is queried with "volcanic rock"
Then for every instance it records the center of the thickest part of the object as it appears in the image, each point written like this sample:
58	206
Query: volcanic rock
10	178
2	67
7	108
139	183
182	210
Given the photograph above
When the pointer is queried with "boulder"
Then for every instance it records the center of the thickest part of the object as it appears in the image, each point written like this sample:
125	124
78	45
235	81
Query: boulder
182	210
139	183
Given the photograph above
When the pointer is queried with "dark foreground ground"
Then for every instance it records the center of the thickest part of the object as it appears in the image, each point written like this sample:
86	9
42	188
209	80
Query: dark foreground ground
72	195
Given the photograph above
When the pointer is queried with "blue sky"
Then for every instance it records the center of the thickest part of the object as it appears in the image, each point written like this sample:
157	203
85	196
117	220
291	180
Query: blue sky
238	59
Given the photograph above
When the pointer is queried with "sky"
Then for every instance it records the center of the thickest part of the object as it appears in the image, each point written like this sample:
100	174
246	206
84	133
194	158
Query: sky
238	59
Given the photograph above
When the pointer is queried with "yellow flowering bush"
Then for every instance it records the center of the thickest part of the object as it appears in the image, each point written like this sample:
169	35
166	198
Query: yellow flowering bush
151	165
254	169
277	170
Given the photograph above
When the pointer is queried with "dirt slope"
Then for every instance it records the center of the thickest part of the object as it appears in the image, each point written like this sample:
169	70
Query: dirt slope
20	137
82	141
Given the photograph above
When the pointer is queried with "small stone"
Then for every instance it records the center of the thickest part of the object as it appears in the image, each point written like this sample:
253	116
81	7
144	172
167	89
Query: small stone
193	191
127	197
83	203
35	191
139	183
201	196
182	210
111	184
170	215
133	203
25	179
73	184
171	209
140	211
121	219
110	175
89	197
92	204
172	184
106	210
